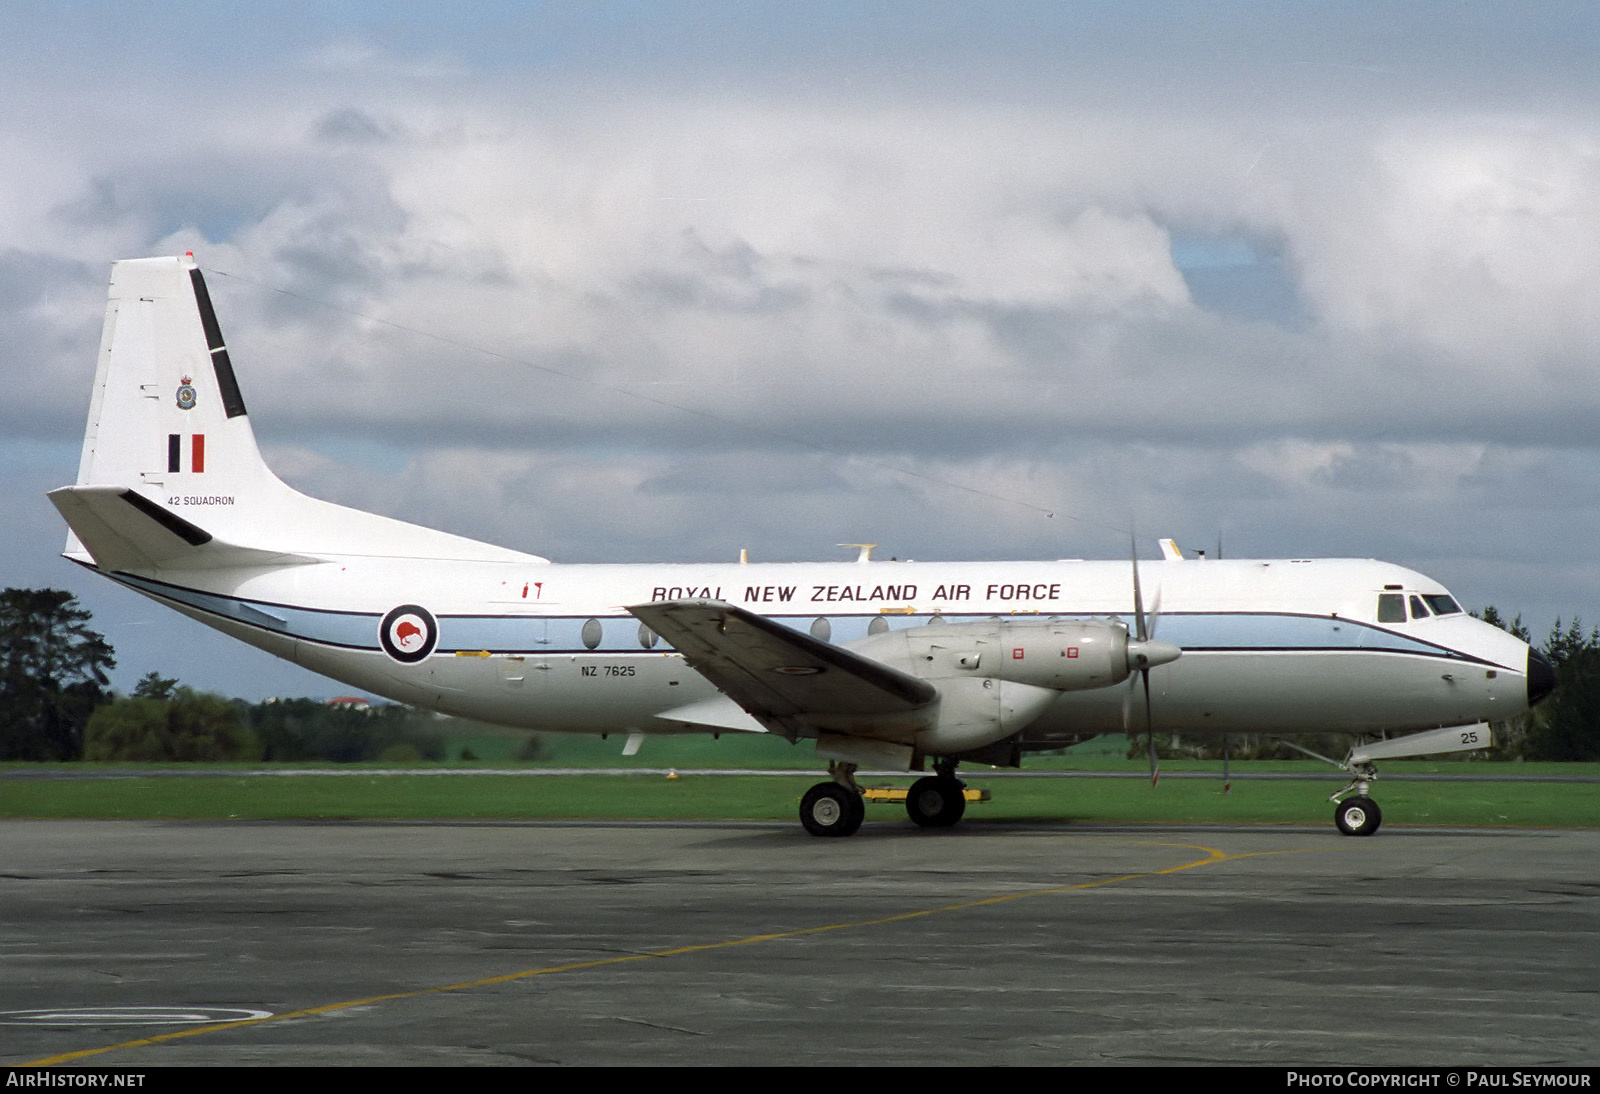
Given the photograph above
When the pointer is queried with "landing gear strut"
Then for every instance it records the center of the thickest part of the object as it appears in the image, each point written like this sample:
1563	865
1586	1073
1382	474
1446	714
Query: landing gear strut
1360	815
937	801
834	808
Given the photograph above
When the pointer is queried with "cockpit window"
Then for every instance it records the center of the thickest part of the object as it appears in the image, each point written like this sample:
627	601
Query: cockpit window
1418	611
1442	604
1391	608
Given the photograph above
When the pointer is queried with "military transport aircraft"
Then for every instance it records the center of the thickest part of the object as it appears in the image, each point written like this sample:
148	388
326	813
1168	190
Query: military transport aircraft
885	664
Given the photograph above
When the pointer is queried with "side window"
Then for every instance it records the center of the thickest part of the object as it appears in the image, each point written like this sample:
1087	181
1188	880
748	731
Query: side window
1391	608
592	634
1418	609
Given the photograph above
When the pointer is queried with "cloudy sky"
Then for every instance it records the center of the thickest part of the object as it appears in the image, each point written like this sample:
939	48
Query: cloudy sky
641	281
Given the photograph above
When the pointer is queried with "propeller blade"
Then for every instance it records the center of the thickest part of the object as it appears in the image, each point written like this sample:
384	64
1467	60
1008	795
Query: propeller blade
1143	653
1138	596
1150	732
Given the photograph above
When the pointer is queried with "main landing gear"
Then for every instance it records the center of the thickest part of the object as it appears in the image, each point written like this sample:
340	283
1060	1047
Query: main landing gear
937	801
834	808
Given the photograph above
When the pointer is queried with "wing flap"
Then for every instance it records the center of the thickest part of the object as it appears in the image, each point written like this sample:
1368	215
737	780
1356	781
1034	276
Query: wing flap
718	713
790	682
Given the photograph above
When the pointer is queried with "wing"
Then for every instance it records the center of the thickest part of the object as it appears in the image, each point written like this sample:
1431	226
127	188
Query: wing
790	682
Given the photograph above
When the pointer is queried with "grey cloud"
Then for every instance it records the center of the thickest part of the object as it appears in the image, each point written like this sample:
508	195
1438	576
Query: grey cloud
351	126
1266	276
49	323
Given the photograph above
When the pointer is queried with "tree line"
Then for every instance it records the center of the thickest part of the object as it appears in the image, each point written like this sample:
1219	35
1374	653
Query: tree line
1566	726
56	703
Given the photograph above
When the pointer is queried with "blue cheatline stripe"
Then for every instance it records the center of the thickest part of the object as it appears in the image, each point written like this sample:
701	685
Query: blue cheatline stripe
1193	632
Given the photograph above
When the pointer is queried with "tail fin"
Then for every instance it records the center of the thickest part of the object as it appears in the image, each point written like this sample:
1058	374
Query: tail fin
171	476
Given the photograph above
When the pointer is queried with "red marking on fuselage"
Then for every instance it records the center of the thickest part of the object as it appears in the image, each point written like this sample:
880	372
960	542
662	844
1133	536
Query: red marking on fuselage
405	632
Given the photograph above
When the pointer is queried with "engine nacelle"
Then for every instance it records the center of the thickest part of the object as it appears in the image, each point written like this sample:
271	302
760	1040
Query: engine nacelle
1059	654
997	676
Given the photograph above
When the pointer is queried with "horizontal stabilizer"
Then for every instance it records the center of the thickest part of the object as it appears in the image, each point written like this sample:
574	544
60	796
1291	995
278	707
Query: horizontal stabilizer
790	682
123	530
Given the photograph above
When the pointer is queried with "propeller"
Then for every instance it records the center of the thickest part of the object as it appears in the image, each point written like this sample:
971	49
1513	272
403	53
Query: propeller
1144	653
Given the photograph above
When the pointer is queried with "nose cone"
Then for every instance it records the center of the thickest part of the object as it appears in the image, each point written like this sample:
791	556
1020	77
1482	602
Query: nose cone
1541	676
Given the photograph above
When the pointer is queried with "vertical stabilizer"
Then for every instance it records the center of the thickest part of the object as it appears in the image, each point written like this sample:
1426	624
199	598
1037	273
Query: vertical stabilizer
167	418
169	457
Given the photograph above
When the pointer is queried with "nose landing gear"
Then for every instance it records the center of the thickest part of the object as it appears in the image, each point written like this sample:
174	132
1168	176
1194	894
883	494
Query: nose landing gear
1359	816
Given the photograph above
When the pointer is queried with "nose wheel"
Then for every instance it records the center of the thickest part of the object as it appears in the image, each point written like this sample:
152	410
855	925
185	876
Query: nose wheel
1359	816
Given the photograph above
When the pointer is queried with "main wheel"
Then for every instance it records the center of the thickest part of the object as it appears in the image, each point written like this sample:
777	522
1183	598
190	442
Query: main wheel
1358	816
936	801
829	809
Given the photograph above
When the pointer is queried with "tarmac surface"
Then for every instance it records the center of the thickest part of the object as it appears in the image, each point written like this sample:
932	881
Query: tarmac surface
133	943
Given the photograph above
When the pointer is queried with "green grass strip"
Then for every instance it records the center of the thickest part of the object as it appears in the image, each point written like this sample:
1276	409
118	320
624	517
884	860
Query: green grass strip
355	795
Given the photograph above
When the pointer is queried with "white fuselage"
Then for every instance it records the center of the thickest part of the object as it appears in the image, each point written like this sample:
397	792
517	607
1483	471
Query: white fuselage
1283	646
